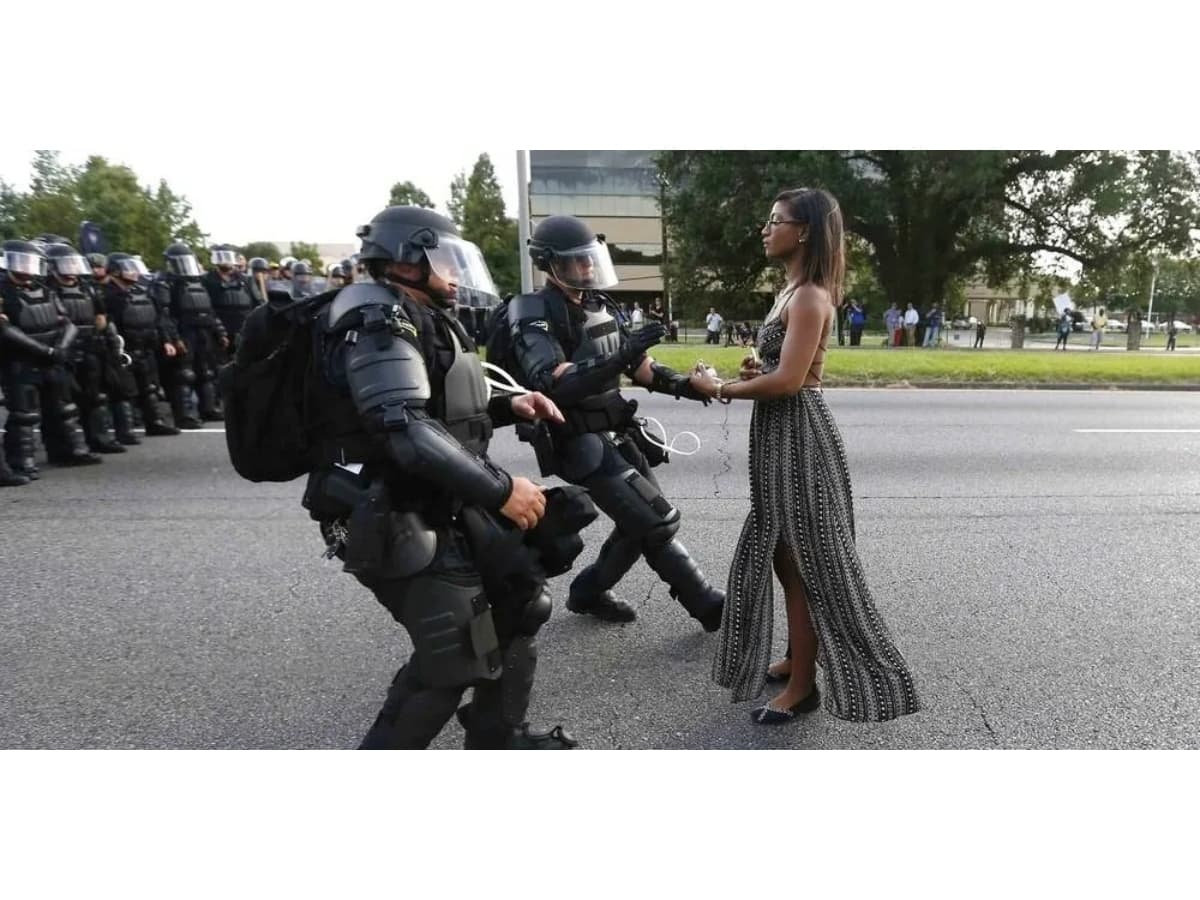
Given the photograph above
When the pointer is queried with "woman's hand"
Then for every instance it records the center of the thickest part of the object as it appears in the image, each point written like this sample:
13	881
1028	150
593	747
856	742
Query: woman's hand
751	367
704	384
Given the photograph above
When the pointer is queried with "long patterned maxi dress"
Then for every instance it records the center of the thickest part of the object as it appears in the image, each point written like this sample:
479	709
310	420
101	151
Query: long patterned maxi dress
800	495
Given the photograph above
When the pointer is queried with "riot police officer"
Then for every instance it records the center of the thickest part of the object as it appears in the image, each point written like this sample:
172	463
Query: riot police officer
229	291
302	280
403	397
37	338
202	338
571	341
260	274
146	330
90	357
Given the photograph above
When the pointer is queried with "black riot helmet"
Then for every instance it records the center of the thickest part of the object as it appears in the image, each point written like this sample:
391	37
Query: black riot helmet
129	269
567	250
49	239
258	264
181	261
225	257
65	264
24	260
428	240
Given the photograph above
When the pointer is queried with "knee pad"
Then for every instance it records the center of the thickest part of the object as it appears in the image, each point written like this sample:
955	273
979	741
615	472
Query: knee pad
662	533
27	418
634	503
187	376
453	634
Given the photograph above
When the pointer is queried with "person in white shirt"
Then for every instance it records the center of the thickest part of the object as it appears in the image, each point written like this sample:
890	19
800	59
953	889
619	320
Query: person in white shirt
712	325
636	316
1099	323
911	318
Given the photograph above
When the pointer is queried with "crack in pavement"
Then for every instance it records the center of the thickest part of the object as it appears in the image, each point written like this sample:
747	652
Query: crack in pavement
982	715
723	453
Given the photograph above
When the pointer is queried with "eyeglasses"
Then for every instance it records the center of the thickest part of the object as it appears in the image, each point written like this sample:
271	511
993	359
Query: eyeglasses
775	220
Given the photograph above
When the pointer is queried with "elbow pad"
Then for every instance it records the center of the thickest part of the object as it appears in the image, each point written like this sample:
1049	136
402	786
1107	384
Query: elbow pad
424	449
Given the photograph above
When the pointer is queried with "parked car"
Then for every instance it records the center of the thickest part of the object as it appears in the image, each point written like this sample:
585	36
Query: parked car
1116	325
1183	327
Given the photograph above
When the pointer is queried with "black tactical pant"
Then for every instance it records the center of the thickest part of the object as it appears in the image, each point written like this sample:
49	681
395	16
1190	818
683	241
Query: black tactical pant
36	397
465	633
623	486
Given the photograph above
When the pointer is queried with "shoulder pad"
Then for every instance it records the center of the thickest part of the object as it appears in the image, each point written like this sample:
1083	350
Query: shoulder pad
526	306
357	295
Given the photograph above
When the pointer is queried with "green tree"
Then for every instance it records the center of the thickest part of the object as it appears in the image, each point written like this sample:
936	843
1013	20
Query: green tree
133	218
405	193
265	249
931	218
477	207
302	250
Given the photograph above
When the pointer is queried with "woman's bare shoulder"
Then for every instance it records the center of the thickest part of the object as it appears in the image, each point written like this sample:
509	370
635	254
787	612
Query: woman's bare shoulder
810	303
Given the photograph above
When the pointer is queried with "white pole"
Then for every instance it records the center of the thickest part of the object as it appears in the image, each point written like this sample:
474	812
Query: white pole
1153	281
523	220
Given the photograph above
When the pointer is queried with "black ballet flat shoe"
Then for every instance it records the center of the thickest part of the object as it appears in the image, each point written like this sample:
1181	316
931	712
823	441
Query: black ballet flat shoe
764	715
777	679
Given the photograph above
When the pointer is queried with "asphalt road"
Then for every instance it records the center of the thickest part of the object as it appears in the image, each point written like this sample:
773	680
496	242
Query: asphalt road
1042	581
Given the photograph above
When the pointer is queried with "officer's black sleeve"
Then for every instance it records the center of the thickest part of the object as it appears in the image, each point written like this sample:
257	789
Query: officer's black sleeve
500	411
539	353
389	384
21	344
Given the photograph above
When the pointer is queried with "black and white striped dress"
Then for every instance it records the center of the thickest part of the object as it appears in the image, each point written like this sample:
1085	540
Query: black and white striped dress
800	494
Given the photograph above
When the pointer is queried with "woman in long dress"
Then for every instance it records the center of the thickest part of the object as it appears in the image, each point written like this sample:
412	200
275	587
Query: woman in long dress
801	518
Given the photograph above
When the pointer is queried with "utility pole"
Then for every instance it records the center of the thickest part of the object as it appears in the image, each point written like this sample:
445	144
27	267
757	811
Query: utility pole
523	221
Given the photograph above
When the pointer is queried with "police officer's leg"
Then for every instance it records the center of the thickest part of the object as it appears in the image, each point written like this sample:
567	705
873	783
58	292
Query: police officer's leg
496	717
92	400
21	396
585	460
183	393
61	432
591	590
122	388
9	478
447	617
206	378
150	396
631	496
672	563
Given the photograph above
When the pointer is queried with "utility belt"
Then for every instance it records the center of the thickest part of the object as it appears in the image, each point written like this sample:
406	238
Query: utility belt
607	412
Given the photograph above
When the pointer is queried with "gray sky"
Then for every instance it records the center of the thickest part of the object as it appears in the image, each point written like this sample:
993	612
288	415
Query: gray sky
277	191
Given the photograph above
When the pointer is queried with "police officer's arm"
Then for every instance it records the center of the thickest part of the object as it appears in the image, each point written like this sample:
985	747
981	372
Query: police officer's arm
390	386
657	378
544	364
168	328
14	339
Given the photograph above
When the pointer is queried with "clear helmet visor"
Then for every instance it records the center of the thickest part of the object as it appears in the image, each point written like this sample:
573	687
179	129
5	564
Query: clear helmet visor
584	268
460	262
185	266
71	266
132	269
224	258
20	263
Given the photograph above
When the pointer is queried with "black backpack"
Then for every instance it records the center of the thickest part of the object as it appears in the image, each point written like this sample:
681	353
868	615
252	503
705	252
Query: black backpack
265	390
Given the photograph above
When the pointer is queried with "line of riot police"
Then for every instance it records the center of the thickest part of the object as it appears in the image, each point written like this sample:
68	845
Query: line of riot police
91	348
